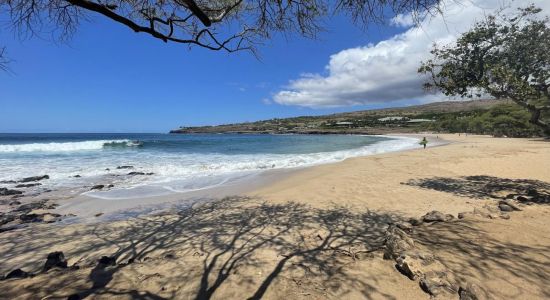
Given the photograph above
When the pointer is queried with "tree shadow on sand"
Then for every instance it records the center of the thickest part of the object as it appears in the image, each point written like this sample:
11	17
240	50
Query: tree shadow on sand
244	249
516	271
219	243
482	187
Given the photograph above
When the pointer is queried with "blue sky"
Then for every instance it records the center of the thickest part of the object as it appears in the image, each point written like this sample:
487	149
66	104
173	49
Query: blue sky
110	79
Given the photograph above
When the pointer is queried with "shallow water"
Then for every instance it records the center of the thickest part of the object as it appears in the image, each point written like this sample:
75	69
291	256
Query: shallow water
180	163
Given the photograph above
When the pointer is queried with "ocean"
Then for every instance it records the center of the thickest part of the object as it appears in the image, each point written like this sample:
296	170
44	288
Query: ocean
175	163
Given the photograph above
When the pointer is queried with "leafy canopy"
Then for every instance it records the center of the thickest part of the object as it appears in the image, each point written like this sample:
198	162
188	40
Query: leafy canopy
505	56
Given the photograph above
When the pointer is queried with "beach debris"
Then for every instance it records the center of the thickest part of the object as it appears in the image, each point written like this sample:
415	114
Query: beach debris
17	273
124	167
55	260
97	187
98	214
471	292
33	178
437	216
8	192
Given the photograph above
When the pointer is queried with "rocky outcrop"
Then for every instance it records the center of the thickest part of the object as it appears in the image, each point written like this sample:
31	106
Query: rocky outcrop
98	187
8	192
140	173
436	216
437	284
33	178
397	241
27	185
413	261
471	292
124	167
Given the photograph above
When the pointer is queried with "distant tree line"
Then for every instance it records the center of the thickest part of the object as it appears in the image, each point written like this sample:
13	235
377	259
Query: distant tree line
504	120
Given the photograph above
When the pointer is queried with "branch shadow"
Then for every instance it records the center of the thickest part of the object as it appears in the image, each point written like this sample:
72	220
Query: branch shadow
217	244
483	187
471	252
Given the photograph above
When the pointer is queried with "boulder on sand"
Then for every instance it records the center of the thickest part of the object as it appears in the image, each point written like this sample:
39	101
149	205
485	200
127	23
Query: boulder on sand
17	273
55	260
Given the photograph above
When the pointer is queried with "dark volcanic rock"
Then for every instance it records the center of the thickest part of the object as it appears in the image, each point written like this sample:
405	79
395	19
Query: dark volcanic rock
74	297
6	218
34	178
7	192
98	187
107	261
140	173
27	185
55	260
26	208
124	167
17	273
77	176
30	218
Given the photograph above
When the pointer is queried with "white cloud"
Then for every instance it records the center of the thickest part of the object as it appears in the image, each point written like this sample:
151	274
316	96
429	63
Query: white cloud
387	71
402	20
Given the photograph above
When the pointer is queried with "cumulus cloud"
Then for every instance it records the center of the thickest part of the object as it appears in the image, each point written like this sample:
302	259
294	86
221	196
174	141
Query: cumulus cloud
387	71
402	20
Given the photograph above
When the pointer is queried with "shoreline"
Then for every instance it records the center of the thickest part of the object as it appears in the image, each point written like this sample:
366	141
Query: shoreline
87	207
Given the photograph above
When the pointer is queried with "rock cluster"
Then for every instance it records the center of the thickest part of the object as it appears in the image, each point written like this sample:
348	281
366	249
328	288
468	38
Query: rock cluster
493	212
28	213
422	265
54	260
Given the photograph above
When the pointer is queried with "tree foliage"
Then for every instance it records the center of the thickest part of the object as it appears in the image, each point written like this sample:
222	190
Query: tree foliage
229	25
505	56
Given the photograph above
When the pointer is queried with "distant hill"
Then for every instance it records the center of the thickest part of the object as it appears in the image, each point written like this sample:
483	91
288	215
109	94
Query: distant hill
376	121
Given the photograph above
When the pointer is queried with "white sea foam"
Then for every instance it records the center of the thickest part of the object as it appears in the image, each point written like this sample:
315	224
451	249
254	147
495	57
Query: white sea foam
174	172
60	147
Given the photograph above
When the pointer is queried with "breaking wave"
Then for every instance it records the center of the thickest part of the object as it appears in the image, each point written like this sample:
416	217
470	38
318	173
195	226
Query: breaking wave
67	147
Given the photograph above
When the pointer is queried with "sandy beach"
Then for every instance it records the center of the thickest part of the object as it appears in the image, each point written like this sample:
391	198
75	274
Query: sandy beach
334	231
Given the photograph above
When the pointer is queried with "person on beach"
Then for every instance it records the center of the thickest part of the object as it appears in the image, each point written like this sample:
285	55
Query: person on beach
424	142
